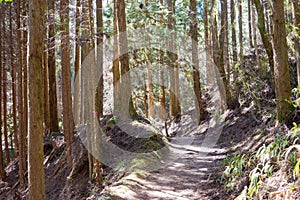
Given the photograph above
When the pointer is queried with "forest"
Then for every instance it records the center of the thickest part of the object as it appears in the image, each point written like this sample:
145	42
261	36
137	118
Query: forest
144	99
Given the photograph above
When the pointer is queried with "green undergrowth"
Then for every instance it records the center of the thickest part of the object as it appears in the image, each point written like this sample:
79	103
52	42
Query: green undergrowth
248	174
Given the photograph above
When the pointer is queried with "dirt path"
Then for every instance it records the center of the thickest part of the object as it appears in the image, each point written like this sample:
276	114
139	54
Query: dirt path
189	177
193	175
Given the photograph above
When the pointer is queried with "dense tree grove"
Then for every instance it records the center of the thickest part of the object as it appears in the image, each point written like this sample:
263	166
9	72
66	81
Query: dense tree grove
44	47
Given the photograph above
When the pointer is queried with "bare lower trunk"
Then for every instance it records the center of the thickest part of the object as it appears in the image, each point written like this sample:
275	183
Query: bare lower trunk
77	64
36	180
126	98
281	68
234	45
150	88
25	89
174	98
52	69
195	59
14	86
116	63
162	108
2	171
263	33
297	44
254	25
68	122
250	23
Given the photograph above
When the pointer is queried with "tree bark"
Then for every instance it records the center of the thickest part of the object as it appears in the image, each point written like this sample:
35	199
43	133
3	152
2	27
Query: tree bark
52	68
2	171
25	119
195	60
224	36
208	45
25	83
116	64
281	68
174	102
21	133
36	180
4	88
87	45
68	122
218	45
124	63
240	20
254	25
162	108
297	38
47	118
234	45
100	87
14	85
250	24
150	96
77	63
263	34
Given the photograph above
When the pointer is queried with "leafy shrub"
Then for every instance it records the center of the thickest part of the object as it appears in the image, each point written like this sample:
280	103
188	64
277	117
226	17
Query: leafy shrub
284	148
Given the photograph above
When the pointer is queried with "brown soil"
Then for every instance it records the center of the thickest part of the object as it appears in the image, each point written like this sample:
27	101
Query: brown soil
192	176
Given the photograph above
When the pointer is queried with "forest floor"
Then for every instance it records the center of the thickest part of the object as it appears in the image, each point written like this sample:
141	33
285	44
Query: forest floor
189	177
192	176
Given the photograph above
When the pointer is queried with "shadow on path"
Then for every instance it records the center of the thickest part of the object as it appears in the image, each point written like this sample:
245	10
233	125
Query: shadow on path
190	177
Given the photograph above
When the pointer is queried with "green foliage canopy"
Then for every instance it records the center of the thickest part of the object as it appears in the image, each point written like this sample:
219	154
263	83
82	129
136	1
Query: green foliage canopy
6	1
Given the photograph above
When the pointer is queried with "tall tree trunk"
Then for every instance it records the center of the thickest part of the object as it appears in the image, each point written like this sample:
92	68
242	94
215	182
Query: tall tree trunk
36	180
224	35
281	68
174	102
124	63
4	87
218	60
68	122
100	35
77	62
262	30
234	48
297	36
52	68
254	25
100	86
268	21
195	60
2	171
176	66
14	85
145	99
46	86
116	64
25	80
162	108
208	45
240	20
250	23
87	46
150	111
25	85
21	133
150	96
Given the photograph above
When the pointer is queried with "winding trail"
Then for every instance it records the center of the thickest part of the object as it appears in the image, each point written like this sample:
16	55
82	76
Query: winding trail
190	177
